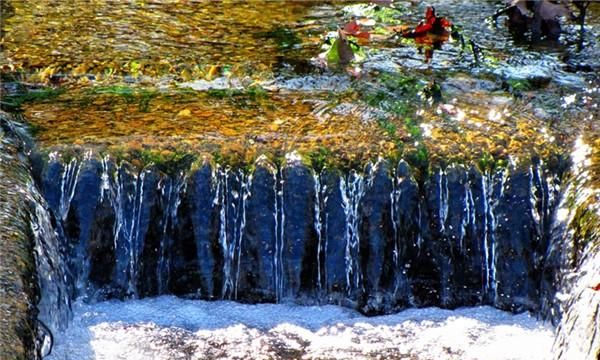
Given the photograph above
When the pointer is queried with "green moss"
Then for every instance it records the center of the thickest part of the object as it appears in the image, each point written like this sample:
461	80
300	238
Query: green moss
517	86
129	94
585	227
320	158
486	162
394	93
413	128
283	37
14	102
375	99
407	85
256	92
233	160
169	162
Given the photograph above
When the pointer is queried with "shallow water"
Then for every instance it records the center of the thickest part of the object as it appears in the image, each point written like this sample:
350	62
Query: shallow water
167	327
242	79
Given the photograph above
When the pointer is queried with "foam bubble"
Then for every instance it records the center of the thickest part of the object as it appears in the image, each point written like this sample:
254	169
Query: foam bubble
167	327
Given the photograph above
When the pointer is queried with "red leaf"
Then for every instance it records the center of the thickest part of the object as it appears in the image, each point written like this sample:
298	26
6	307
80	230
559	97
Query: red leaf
433	24
421	29
431	33
430	15
353	29
596	288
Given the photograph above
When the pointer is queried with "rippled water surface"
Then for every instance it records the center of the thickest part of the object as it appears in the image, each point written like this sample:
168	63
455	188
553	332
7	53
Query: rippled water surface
245	78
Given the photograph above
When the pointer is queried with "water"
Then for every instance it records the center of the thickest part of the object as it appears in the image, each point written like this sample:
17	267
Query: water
170	328
488	239
53	276
352	190
68	182
171	191
232	187
577	299
318	224
146	207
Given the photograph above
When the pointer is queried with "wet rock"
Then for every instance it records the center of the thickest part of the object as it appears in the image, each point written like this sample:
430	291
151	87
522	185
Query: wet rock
205	220
465	84
101	247
337	83
530	76
377	246
465	242
407	219
80	219
256	282
300	240
377	241
185	277
517	237
154	233
335	233
18	282
479	246
51	183
232	191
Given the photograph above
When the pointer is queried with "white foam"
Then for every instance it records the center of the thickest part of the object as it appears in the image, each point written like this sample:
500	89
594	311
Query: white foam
220	83
167	327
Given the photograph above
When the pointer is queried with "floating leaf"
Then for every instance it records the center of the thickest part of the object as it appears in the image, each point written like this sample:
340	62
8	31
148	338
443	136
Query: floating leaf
184	113
431	33
353	29
342	51
212	73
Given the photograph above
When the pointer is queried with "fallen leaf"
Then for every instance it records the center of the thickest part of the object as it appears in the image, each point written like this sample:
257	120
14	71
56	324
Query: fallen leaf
340	51
184	113
212	72
353	29
431	33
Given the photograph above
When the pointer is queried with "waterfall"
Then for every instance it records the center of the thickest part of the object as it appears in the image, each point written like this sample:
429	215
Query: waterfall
468	218
53	277
489	283
443	206
67	186
318	224
127	227
370	239
352	190
232	190
279	232
171	191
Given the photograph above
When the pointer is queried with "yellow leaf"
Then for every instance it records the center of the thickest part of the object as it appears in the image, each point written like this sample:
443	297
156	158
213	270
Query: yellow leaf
212	72
184	113
186	75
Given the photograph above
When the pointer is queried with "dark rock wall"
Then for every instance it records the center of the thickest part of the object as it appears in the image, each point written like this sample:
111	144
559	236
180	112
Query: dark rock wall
377	240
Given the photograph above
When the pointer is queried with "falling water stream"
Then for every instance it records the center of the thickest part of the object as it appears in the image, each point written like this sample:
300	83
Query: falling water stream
146	207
